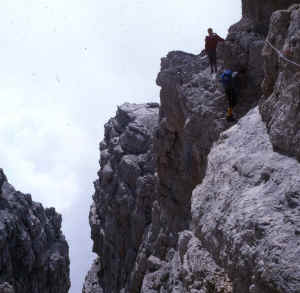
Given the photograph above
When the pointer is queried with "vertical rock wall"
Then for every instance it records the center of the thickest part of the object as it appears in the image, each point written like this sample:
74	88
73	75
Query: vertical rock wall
281	103
259	12
124	193
213	243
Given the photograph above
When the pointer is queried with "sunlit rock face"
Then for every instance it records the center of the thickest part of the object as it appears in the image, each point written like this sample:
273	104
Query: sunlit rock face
281	103
246	211
34	255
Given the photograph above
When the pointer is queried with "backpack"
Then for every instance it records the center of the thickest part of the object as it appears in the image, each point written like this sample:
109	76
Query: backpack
226	79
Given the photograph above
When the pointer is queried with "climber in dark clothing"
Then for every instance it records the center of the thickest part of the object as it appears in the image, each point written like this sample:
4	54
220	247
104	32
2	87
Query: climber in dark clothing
231	83
211	42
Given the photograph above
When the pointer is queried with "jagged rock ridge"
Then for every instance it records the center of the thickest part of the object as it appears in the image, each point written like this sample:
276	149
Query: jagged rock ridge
124	193
34	255
239	232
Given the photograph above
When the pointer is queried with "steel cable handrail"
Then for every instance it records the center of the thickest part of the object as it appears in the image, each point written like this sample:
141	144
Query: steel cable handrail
281	54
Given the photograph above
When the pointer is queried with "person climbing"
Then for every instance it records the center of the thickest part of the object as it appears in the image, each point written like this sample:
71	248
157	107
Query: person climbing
231	83
211	42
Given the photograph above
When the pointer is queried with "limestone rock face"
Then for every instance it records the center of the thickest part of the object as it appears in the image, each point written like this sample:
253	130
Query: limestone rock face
92	282
259	12
124	193
192	116
246	211
188	202
281	103
34	253
190	268
242	52
245	41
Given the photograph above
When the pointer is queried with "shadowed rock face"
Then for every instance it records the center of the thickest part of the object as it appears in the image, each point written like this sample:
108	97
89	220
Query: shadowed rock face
281	103
242	52
245	41
192	115
124	194
34	253
260	11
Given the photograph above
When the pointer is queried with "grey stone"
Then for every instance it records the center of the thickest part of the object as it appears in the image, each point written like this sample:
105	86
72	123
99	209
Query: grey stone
34	254
280	106
245	218
124	193
92	283
259	12
129	170
195	272
239	232
6	288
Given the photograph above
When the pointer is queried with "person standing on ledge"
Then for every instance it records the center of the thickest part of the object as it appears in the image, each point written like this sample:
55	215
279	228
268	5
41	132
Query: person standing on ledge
211	42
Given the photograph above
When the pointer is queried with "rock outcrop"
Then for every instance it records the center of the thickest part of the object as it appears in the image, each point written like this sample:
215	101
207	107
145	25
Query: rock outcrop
124	193
259	12
34	253
281	103
245	41
92	282
246	211
222	206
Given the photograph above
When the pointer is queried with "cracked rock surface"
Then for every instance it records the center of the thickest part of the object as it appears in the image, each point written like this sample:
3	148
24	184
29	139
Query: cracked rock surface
188	202
259	12
34	255
281	103
92	283
246	211
124	194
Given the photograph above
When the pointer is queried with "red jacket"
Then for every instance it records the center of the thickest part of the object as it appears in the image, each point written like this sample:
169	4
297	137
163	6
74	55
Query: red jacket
211	42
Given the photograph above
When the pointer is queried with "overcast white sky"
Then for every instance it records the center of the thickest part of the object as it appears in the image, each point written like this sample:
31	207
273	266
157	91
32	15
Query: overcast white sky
65	66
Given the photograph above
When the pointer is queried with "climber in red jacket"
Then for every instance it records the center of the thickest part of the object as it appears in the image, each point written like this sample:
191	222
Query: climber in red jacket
211	42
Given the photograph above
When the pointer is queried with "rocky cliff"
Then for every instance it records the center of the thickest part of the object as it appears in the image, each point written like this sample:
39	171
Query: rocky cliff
259	12
217	210
34	253
281	87
124	194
